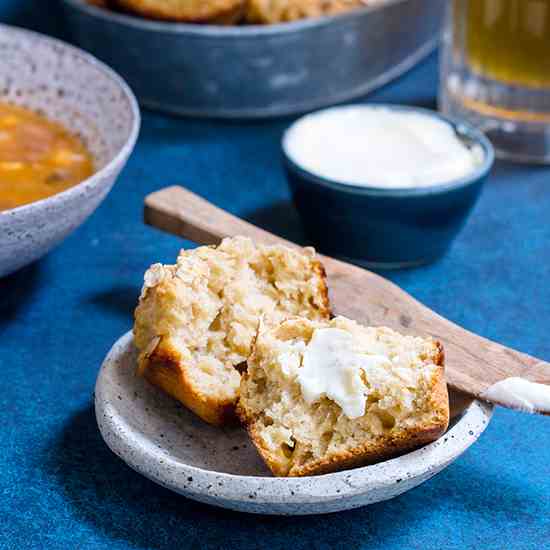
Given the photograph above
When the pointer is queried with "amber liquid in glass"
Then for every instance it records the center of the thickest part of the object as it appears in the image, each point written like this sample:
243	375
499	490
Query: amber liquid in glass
509	40
495	73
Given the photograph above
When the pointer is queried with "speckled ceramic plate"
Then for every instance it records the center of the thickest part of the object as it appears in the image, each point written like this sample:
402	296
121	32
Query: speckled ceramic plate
163	441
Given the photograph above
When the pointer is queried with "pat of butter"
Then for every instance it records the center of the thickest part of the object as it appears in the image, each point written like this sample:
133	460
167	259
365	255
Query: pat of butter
520	394
331	368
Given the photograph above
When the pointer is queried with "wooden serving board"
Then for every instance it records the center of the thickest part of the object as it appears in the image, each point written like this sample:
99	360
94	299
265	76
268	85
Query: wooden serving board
473	363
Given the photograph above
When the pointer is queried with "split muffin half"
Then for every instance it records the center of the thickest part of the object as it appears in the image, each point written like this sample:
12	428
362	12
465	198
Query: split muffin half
196	320
329	395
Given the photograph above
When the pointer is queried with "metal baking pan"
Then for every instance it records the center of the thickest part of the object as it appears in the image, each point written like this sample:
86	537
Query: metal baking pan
258	71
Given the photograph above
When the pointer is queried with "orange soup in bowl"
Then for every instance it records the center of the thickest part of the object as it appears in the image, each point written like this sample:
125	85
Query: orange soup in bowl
38	157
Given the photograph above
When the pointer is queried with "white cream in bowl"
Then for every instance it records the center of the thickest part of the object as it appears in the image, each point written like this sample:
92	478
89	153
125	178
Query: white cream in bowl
380	147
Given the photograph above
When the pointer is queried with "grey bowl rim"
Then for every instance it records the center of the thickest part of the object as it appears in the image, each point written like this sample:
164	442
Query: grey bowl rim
102	407
121	156
462	128
223	31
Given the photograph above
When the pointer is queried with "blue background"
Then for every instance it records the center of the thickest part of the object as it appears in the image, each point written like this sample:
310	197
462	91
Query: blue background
60	487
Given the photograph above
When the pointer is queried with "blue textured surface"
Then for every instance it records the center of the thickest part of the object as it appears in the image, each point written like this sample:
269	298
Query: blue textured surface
60	487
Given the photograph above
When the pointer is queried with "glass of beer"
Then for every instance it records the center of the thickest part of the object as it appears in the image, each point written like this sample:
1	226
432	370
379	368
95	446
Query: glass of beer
495	72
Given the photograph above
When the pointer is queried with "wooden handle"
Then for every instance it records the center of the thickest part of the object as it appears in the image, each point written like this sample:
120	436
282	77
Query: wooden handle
180	212
473	363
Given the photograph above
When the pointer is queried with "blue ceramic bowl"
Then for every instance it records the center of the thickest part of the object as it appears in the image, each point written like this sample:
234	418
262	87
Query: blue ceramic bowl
382	227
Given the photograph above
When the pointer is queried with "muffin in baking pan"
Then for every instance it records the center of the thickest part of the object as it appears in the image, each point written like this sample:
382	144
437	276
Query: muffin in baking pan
280	11
185	11
231	12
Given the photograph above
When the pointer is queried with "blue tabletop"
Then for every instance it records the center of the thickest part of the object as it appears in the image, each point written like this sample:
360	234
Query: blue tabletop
60	486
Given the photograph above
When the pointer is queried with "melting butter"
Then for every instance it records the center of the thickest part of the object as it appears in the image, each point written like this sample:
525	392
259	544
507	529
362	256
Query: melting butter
520	394
331	368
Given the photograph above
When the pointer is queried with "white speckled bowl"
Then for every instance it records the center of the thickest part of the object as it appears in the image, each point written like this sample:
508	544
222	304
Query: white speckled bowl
162	440
89	99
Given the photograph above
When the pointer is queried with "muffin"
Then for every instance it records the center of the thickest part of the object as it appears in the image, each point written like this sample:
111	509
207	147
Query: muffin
321	396
196	321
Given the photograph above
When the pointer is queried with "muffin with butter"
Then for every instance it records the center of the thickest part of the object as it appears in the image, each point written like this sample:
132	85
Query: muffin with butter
321	396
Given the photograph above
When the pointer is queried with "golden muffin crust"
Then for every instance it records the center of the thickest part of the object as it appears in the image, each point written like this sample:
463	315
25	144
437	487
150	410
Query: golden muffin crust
280	11
191	11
